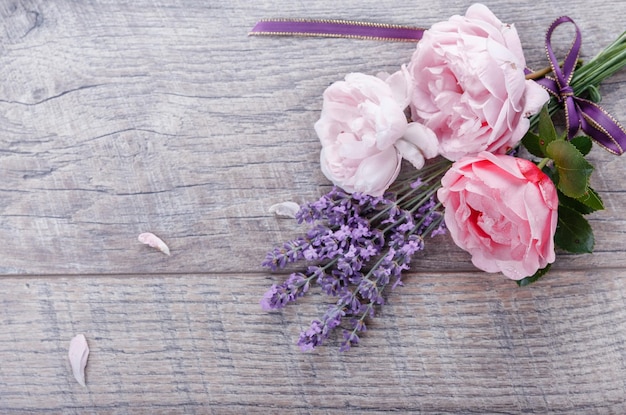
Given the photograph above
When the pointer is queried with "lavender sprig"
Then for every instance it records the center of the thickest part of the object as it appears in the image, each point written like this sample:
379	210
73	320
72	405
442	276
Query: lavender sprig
356	247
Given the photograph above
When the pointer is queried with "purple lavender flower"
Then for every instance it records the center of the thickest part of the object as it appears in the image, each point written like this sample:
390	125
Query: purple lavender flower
319	330
356	247
279	295
417	183
291	251
270	298
350	338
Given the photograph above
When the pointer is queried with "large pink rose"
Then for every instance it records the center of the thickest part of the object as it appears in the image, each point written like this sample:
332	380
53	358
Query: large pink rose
470	87
503	211
365	133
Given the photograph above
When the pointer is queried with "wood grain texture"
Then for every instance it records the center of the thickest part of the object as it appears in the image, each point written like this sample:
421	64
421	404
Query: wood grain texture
444	343
120	117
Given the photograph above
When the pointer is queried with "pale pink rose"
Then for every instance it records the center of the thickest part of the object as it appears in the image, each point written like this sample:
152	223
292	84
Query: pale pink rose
470	87
365	133
503	211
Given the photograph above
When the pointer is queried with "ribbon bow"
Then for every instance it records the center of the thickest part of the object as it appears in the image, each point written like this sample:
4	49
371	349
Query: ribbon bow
580	113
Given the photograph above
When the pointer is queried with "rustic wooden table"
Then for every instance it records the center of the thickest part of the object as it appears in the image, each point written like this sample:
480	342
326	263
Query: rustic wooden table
121	117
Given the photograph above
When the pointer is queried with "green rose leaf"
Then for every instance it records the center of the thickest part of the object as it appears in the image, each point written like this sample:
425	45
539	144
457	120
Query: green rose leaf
532	143
573	232
529	280
582	143
536	143
589	202
592	199
547	132
574	204
594	93
573	170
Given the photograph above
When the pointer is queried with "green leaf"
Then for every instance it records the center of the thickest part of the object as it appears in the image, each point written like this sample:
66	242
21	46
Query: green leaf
531	142
594	93
592	199
573	232
582	143
529	280
547	133
574	171
573	204
589	202
536	143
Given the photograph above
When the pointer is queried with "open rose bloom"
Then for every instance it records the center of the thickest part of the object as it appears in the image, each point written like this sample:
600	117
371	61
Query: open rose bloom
365	134
470	87
503	211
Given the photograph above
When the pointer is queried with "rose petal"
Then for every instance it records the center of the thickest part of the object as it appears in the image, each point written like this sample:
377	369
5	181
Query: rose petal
154	241
423	138
285	209
78	354
410	153
401	85
382	168
534	98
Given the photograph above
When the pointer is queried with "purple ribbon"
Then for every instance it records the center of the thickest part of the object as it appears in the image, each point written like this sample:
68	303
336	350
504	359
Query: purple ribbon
337	28
580	113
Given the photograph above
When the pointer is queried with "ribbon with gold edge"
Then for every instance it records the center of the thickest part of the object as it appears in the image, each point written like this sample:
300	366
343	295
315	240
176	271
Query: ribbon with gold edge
337	28
580	114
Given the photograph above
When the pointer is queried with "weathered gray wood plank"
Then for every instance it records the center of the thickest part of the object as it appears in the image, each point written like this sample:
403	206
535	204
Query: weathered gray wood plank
119	118
444	343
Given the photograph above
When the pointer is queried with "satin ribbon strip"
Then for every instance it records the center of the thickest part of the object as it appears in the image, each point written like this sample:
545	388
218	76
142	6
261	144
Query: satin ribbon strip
580	113
336	28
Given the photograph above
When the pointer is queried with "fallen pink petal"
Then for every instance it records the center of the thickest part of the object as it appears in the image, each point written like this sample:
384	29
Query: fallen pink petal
78	355
154	241
285	209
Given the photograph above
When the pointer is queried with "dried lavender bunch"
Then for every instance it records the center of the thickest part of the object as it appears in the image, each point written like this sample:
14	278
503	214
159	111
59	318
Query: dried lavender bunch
356	247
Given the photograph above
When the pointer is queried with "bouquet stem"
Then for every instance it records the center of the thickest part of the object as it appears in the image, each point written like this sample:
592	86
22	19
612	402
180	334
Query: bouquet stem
605	64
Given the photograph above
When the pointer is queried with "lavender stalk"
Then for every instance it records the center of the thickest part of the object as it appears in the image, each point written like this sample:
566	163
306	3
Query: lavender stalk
357	246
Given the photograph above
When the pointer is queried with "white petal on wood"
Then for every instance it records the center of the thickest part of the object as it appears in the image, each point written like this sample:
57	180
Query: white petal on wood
78	354
154	241
285	209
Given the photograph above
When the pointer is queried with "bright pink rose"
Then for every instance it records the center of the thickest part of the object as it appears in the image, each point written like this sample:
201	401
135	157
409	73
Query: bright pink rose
470	87
503	211
364	132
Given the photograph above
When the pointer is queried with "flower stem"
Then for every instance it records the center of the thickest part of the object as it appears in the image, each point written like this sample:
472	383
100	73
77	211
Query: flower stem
543	163
436	171
605	64
543	72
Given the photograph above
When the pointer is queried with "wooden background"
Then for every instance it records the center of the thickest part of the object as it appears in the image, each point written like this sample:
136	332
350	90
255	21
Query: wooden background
119	117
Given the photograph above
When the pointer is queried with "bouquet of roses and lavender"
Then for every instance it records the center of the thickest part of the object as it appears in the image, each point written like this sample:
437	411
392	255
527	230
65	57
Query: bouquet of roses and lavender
462	112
